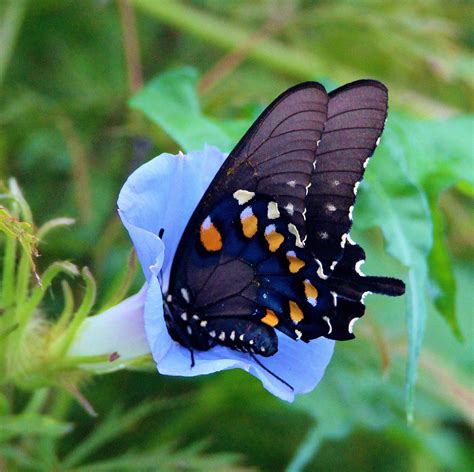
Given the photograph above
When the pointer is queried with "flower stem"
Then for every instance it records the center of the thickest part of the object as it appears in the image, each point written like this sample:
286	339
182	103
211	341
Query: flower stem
8	282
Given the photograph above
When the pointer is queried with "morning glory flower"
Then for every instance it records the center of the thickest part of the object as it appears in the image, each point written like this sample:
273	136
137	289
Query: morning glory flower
117	333
161	195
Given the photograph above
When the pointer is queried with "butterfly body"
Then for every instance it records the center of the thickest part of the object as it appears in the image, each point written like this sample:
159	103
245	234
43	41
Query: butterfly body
268	247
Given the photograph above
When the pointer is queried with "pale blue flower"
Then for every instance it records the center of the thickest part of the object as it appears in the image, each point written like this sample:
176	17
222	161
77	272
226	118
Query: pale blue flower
162	194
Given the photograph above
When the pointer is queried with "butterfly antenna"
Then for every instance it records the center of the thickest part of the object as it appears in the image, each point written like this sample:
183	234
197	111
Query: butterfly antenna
266	369
161	232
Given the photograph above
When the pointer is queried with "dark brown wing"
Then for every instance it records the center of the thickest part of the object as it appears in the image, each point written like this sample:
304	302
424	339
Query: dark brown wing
356	118
275	157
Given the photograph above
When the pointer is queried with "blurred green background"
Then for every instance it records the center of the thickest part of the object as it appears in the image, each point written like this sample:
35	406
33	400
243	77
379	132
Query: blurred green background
201	71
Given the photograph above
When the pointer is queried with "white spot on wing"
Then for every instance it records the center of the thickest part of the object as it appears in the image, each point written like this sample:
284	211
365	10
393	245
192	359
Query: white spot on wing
356	187
358	266
334	298
328	321
184	316
222	336
185	294
378	141
351	324
366	162
351	209
336	183
272	211
212	334
203	324
331	207
320	270
206	224
294	231
350	240
333	265
362	298
298	333
343	240
292	183
323	235
232	335
290	209
243	196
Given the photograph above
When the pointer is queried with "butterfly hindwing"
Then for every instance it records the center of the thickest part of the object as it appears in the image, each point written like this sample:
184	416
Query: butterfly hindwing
356	118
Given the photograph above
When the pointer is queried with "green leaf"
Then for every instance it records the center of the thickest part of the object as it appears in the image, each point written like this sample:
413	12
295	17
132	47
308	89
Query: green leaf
400	208
170	100
443	283
439	155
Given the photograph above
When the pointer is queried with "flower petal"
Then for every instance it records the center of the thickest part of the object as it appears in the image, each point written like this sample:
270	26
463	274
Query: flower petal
162	194
301	365
119	330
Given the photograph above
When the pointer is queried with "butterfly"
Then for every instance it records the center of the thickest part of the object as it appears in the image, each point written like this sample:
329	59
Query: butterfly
268	247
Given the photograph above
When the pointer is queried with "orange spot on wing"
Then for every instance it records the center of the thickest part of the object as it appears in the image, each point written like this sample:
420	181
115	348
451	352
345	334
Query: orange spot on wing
210	236
274	240
295	312
310	290
295	263
270	318
249	225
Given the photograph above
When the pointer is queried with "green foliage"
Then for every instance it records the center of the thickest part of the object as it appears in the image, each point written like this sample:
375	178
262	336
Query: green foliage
68	136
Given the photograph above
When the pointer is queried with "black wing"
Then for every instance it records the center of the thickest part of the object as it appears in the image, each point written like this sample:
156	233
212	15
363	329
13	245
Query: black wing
273	160
275	157
356	118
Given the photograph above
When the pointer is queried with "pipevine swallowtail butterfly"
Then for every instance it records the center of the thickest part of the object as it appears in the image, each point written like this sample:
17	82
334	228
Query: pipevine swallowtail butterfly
268	246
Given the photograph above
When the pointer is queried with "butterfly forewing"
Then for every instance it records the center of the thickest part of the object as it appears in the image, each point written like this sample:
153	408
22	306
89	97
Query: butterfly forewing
275	157
356	118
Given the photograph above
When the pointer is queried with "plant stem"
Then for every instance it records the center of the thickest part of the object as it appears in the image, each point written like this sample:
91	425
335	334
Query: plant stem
8	282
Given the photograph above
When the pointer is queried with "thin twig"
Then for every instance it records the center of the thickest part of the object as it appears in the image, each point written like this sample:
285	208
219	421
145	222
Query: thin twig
131	46
231	61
